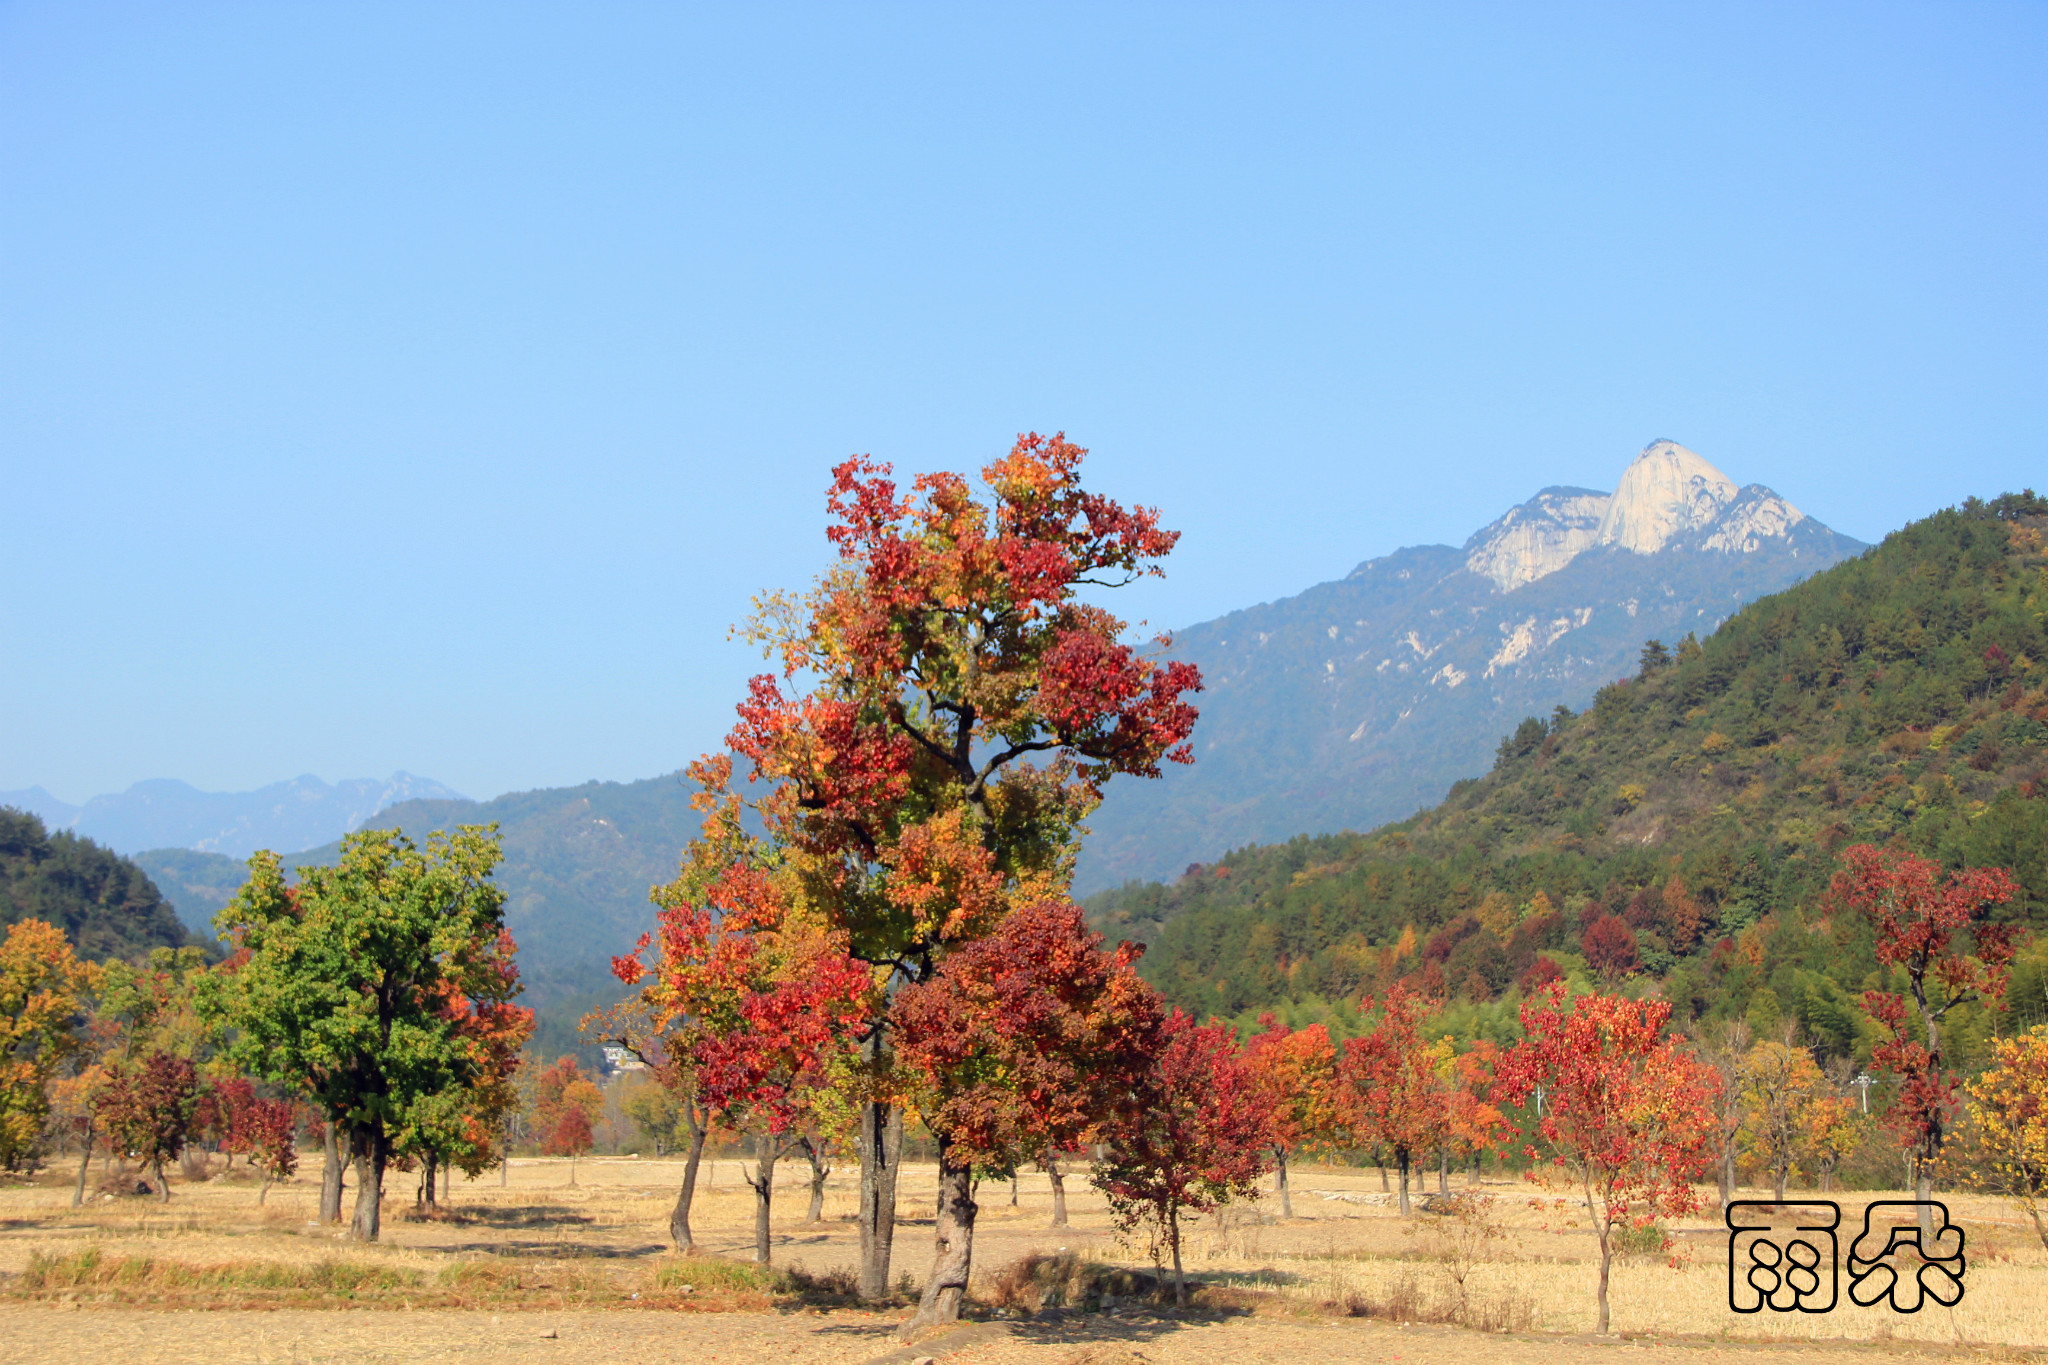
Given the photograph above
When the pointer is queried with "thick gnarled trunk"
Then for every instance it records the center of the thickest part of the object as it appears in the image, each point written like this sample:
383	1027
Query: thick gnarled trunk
881	1145
371	1155
953	1246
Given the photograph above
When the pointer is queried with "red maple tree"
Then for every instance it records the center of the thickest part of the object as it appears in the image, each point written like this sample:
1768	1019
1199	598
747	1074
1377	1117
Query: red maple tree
1627	1114
1193	1134
1936	932
1022	1043
1298	1070
1392	1092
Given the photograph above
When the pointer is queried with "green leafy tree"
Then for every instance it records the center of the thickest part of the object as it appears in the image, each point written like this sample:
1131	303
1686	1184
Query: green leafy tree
360	986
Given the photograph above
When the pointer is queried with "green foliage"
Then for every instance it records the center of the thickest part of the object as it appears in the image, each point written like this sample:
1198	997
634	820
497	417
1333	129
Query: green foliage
104	903
1899	696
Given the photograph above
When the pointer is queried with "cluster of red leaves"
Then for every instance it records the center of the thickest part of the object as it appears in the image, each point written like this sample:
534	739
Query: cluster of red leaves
1392	1092
149	1107
1628	1112
746	1002
1919	917
1027	1038
1195	1132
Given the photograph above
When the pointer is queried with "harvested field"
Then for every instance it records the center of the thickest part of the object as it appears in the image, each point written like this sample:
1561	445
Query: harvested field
213	1276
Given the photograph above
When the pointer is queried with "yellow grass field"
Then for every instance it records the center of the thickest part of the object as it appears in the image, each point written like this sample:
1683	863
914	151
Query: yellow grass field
539	1268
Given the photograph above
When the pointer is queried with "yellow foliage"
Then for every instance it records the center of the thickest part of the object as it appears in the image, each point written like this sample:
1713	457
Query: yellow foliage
2010	1102
42	986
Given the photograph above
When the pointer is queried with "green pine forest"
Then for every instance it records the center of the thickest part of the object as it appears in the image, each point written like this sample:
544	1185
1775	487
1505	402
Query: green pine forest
104	903
1899	697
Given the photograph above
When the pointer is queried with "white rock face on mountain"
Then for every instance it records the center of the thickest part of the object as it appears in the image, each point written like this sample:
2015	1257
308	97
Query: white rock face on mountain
1665	492
1540	537
1668	496
1756	515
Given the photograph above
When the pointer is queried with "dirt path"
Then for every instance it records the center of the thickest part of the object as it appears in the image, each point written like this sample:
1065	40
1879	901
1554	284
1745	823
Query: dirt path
38	1335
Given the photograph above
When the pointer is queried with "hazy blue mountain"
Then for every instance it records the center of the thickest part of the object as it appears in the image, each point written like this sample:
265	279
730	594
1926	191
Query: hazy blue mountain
166	813
54	814
1361	701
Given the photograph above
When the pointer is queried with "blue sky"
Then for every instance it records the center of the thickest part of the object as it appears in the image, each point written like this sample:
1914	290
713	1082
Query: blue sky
430	386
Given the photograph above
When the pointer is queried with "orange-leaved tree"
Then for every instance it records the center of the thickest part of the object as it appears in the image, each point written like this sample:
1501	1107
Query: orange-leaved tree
948	711
1628	1115
1392	1092
1298	1070
565	1100
1023	1042
1192	1135
42	987
1937	933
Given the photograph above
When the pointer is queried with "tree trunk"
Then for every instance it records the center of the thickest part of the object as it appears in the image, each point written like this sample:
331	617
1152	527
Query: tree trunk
84	1164
263	1190
1606	1262
330	1179
447	1180
572	1170
1401	1164
767	1151
1727	1176
1013	1189
1180	1279
2034	1212
881	1146
1782	1175
371	1155
1443	1170
1286	1200
679	1216
1059	1189
953	1246
1379	1157
820	1173
163	1186
1923	1190
428	1170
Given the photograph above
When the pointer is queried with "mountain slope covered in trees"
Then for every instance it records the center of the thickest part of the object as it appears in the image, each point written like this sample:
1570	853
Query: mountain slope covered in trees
1361	701
1682	830
104	903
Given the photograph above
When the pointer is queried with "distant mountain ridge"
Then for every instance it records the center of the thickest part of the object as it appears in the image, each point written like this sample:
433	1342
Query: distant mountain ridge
166	813
1360	701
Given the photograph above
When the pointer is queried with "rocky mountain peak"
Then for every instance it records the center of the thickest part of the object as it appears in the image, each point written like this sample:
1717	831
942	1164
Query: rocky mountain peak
1665	492
1668	498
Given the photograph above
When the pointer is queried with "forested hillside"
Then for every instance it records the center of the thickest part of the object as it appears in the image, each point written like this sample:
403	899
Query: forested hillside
1682	831
105	904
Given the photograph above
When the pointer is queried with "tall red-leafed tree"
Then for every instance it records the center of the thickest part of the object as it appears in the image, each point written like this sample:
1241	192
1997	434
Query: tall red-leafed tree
1024	1042
1936	931
1391	1091
1195	1133
1628	1114
947	713
1298	1070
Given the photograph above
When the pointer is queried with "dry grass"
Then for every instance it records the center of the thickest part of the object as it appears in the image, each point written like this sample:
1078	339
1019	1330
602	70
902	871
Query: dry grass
541	1244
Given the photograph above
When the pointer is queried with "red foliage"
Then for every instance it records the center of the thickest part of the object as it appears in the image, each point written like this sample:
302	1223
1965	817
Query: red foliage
1627	1115
570	1135
1391	1092
1920	918
148	1109
1025	1040
1539	974
1297	1068
1610	947
1193	1134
